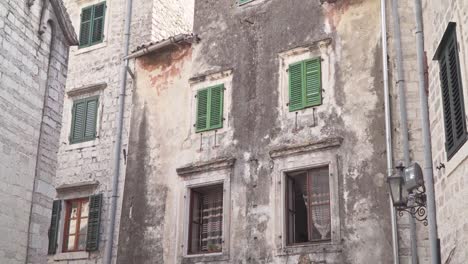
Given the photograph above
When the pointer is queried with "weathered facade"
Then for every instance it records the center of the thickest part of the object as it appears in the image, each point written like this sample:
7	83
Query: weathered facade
249	50
85	158
34	40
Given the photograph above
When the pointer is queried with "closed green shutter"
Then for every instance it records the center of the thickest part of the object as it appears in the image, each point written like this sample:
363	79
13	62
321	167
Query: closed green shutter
54	226
244	1
92	24
94	222
452	95
202	110
84	119
305	84
216	107
85	26
313	83
98	23
295	87
210	108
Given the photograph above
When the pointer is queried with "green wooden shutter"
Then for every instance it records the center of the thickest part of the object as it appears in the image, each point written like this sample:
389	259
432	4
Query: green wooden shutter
94	222
244	1
216	107
91	116
295	87
54	226
99	11
85	26
78	120
313	82
202	110
452	95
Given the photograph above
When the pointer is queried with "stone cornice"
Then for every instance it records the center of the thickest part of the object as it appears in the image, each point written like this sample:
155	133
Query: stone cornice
86	89
77	186
205	166
323	144
64	22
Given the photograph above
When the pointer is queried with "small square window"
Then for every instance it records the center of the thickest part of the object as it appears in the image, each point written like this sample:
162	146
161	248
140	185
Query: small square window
92	24
305	84
206	220
308	217
84	119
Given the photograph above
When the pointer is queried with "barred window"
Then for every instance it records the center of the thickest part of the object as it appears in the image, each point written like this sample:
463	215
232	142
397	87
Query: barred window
206	220
308	206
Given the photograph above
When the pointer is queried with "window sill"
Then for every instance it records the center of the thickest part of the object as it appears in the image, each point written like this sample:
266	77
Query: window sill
71	256
207	257
324	247
82	145
79	51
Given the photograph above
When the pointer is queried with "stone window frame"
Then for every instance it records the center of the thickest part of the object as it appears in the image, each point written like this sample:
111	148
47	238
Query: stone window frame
305	157
320	49
77	24
67	192
77	94
198	175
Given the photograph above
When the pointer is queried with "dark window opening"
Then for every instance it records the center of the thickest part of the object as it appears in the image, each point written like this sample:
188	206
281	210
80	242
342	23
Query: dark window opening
206	220
308	206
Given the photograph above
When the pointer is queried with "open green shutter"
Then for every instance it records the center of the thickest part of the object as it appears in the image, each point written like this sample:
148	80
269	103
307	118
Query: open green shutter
54	227
94	222
444	78
85	26
313	83
91	117
99	11
295	87
202	110
78	120
216	107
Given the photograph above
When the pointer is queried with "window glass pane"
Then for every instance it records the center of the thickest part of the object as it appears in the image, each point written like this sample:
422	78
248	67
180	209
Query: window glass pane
72	228
85	208
74	210
301	217
82	242
320	204
83	226
71	242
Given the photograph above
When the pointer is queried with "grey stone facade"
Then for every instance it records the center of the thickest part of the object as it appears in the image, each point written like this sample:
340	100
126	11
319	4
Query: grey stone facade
34	40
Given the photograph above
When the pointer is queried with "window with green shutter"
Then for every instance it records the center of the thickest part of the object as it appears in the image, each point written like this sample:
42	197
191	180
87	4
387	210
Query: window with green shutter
241	2
84	118
92	24
54	227
210	108
452	92
305	84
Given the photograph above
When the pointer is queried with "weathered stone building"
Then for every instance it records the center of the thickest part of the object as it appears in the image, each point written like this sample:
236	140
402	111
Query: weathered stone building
34	40
85	164
263	142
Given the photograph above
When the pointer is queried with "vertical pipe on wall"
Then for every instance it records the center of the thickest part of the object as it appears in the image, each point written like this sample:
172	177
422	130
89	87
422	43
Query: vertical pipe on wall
118	141
388	126
403	116
428	173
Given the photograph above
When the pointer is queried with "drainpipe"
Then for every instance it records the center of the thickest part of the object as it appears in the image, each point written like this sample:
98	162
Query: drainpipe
388	128
428	173
118	140
403	117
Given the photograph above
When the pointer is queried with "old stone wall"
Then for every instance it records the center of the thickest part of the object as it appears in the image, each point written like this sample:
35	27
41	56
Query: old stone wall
32	79
450	182
94	71
248	48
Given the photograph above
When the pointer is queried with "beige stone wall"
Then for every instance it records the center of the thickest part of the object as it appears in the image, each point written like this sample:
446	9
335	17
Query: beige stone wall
33	69
451	182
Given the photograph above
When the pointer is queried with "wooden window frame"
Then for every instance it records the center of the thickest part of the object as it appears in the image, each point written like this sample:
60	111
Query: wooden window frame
309	202
68	206
200	224
91	24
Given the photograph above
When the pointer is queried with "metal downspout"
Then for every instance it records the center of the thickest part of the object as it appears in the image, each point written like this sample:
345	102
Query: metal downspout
118	141
403	117
388	127
428	173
